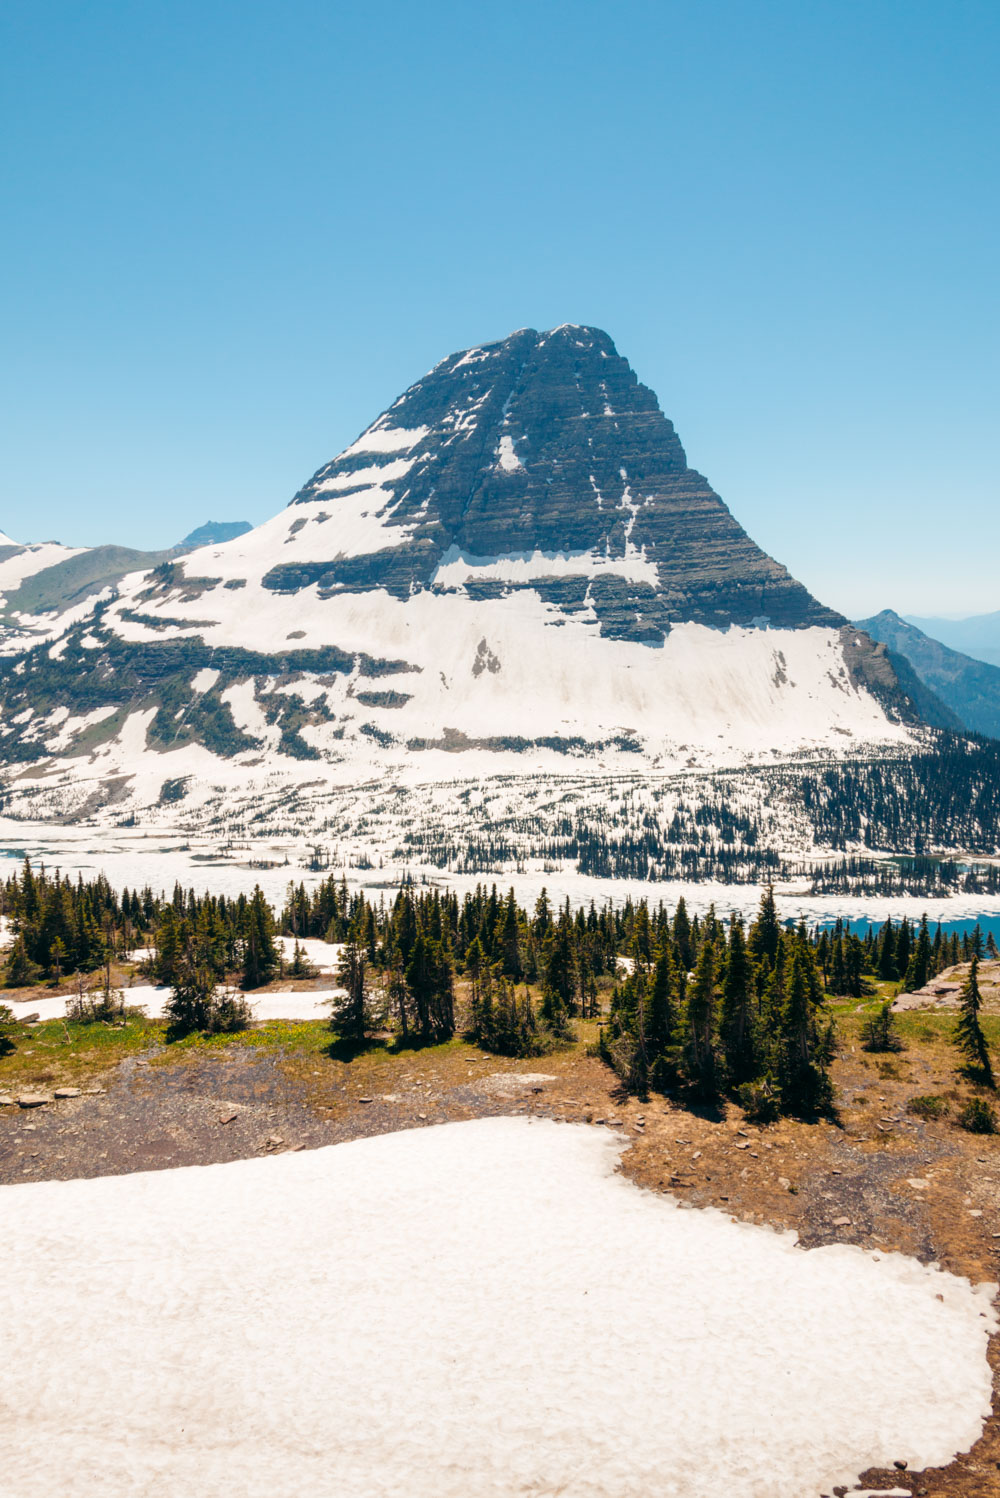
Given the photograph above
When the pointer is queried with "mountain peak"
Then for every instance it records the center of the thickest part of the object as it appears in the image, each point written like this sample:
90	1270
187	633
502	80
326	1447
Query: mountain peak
545	451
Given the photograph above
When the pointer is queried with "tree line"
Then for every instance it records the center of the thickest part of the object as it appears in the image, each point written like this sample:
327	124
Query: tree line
706	1006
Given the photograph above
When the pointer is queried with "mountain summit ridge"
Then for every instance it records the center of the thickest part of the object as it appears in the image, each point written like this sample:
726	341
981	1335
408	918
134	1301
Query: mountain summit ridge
547	445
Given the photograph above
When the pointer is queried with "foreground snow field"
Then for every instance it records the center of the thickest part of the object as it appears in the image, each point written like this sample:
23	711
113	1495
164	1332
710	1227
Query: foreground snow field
478	1308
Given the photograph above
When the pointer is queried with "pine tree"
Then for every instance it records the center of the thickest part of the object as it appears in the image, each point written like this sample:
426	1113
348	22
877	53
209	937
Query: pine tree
191	1000
766	929
352	1014
21	971
887	969
904	947
509	939
660	1019
682	936
430	984
260	955
737	1022
968	1033
806	1048
700	1053
559	977
918	969
838	969
10	1030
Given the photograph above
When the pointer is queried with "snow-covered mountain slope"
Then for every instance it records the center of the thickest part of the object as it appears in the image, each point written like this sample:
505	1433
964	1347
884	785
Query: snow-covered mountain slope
19	562
513	572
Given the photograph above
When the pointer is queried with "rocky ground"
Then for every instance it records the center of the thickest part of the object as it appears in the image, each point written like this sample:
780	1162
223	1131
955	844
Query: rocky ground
878	1175
944	991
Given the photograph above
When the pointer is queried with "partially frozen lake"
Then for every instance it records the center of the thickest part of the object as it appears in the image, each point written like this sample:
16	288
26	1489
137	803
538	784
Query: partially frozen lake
476	1309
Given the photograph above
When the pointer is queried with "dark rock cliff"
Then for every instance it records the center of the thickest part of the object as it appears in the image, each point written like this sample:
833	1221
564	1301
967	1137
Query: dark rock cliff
548	443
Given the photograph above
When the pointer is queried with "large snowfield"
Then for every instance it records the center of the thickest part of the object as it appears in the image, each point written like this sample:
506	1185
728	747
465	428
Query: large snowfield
479	1308
134	857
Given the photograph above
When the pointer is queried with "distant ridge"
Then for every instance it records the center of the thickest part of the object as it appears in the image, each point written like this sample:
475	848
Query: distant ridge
215	531
969	688
978	636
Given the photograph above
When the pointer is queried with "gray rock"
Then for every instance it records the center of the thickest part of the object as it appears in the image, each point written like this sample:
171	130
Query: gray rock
32	1099
584	430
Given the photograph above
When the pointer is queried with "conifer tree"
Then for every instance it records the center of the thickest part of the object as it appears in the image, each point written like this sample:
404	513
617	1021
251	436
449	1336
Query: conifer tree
559	977
682	936
10	1030
968	1034
660	1020
21	971
805	1047
904	947
838	968
193	1003
918	969
260	955
430	983
510	938
765	932
700	1053
352	1014
737	1021
887	969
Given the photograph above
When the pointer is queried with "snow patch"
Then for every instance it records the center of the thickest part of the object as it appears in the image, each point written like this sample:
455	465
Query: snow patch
457	566
507	458
384	439
328	1322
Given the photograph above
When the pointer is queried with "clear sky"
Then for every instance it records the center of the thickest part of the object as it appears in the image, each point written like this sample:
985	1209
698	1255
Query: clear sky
234	232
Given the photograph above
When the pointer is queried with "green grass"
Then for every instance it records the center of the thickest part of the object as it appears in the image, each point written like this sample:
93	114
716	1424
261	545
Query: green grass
64	1053
931	1105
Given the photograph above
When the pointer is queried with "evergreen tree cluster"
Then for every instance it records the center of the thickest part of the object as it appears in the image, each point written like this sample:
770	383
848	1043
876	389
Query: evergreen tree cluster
706	1007
64	927
948	797
709	1009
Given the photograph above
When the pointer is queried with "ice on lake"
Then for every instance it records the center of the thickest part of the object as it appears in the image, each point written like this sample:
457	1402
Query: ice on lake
481	1308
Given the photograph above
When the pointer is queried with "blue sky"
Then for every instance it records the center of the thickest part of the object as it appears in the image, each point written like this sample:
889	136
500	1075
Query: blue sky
234	232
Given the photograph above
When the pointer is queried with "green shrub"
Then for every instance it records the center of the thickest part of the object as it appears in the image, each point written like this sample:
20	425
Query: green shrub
10	1030
978	1117
760	1101
879	1031
929	1106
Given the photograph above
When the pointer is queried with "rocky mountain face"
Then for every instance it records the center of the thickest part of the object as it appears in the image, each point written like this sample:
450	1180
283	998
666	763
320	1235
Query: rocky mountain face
512	576
547	446
969	689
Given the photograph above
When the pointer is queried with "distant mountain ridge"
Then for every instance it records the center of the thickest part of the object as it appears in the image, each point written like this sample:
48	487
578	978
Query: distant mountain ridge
969	688
215	531
43	577
978	636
